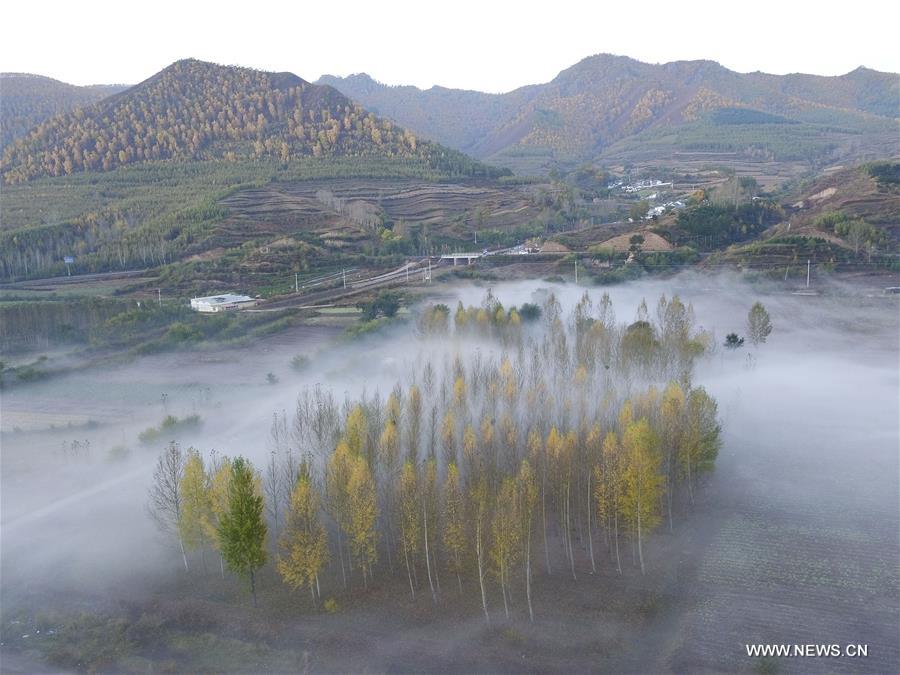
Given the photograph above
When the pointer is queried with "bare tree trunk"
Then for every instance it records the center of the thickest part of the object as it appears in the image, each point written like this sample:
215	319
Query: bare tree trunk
690	483
503	590
183	554
340	547
544	522
569	534
479	554
640	547
389	544
616	536
437	578
412	590
528	574
669	484
427	556
589	530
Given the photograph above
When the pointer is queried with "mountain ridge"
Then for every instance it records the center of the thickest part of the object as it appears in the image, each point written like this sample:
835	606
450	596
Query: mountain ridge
603	99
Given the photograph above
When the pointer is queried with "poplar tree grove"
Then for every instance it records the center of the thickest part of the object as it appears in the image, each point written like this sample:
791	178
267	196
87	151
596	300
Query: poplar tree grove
517	448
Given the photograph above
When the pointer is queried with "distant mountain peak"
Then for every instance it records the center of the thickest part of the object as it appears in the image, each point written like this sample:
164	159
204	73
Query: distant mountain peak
606	98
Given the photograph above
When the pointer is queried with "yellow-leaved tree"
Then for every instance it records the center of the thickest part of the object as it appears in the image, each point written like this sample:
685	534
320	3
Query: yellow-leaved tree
506	535
196	505
642	482
528	497
219	479
454	523
363	516
304	541
337	479
409	520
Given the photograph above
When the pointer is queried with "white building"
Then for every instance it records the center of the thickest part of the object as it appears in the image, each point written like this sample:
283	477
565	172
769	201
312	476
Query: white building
222	303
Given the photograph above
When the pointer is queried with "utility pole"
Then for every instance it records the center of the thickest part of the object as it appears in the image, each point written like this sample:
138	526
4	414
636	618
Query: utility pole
296	282
576	271
344	277
159	296
807	273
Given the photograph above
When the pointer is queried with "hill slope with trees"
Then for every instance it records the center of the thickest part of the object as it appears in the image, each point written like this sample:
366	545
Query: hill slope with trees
28	100
194	110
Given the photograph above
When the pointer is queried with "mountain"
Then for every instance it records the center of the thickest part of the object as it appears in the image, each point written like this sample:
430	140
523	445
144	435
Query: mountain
28	100
605	100
195	110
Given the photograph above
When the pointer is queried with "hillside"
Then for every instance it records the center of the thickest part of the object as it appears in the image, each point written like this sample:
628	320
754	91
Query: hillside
28	100
617	108
194	110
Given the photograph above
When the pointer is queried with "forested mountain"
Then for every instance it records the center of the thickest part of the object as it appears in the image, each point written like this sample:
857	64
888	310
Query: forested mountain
607	99
28	100
194	110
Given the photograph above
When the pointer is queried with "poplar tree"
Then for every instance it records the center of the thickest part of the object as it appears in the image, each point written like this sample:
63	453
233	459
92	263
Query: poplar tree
337	480
454	523
505	535
479	516
363	516
528	496
164	503
196	504
242	531
389	454
304	541
219	481
608	478
430	494
672	423
700	440
641	480
409	520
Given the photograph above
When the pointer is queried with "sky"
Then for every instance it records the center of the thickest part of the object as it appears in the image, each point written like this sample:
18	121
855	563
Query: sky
487	46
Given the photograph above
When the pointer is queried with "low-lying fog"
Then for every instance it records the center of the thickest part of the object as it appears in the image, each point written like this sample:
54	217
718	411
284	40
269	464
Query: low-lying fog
798	524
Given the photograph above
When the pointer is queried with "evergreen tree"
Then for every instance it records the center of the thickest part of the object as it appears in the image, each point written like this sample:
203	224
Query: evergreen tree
242	531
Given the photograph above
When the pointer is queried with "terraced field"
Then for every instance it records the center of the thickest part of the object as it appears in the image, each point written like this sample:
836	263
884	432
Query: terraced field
349	209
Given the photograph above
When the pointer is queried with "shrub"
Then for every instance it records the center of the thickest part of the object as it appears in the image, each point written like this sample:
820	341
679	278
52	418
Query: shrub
530	311
300	362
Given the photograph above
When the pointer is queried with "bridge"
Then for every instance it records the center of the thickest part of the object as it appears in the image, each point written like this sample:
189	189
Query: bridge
468	257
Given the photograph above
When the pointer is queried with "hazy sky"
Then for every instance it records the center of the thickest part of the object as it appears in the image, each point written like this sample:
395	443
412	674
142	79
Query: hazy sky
490	46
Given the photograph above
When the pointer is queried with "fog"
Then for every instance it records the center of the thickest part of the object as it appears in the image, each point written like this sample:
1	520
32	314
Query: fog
794	537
